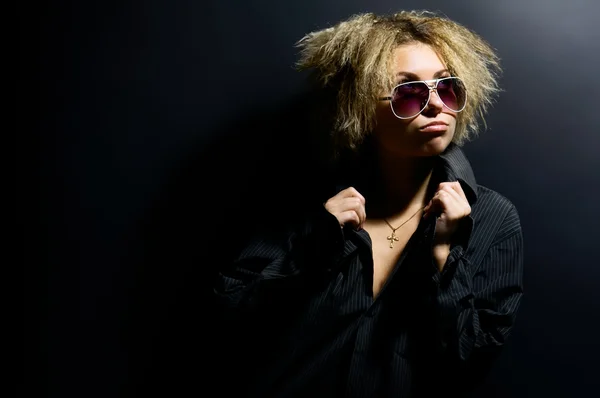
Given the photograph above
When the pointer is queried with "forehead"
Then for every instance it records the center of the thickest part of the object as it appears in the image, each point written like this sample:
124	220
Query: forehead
416	59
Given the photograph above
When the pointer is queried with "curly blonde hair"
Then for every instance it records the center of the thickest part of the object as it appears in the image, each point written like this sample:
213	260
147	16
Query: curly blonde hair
354	60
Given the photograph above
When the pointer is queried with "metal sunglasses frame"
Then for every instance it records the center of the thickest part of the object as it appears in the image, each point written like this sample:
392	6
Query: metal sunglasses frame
432	85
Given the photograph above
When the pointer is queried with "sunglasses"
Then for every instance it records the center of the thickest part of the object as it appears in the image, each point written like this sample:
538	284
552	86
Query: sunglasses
411	98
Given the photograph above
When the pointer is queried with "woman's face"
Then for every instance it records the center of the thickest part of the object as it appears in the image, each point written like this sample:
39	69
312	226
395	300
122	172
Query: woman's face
416	136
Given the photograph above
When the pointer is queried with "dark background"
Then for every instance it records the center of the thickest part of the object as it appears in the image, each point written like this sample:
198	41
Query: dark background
142	124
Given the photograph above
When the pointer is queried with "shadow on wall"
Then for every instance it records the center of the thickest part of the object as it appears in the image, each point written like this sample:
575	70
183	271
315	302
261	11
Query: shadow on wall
256	175
259	174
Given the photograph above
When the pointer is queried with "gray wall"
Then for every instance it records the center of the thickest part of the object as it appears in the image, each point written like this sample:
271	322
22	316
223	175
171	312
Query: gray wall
123	96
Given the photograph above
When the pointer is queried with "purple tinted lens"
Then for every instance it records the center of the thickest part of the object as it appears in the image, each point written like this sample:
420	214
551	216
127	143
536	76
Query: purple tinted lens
452	93
410	98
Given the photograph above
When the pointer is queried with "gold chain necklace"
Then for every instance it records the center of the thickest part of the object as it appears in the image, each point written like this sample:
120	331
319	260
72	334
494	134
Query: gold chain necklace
393	238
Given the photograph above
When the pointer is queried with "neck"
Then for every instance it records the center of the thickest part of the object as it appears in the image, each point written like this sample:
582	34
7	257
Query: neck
401	184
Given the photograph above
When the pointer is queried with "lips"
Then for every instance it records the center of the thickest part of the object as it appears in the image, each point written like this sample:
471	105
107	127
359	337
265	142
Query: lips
434	127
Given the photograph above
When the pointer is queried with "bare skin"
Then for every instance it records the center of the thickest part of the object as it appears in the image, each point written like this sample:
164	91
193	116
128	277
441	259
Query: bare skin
405	153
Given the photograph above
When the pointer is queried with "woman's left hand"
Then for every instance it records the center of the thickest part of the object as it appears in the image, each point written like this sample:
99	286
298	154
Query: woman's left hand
450	204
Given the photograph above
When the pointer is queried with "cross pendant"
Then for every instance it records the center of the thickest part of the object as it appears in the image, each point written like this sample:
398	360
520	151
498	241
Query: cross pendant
392	238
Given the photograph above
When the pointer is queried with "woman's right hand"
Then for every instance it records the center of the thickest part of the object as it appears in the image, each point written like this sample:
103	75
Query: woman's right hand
348	206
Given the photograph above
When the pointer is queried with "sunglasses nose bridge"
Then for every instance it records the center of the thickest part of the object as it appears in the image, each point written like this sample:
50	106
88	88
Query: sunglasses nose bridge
435	101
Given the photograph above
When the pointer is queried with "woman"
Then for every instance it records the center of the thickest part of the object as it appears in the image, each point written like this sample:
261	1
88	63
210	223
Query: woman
404	281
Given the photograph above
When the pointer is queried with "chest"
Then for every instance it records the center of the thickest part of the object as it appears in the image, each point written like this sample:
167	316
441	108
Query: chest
387	247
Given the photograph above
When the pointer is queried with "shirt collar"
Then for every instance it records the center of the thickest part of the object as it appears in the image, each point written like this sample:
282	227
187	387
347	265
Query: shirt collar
455	166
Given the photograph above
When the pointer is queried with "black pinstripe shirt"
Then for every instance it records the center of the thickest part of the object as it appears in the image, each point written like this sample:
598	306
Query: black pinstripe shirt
299	318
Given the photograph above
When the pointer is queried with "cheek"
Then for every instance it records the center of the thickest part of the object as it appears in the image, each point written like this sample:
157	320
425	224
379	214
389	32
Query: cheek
452	125
387	122
383	113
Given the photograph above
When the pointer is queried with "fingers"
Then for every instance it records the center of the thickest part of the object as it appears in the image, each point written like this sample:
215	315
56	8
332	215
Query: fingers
463	208
352	204
456	186
355	205
349	217
351	192
449	199
450	189
348	206
436	205
453	187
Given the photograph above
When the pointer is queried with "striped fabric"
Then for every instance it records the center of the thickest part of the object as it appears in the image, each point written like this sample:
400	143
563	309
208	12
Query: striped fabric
298	318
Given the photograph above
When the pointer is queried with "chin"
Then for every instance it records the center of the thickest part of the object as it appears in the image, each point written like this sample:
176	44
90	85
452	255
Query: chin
418	146
435	146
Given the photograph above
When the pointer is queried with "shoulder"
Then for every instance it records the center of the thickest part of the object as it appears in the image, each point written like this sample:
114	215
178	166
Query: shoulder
493	213
487	198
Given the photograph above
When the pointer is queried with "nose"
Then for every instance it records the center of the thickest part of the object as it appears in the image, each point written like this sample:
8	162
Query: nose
435	104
